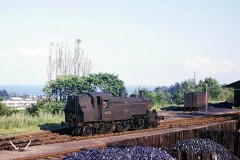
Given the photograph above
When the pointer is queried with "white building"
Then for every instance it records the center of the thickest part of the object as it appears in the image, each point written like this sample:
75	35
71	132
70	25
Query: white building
18	103
16	98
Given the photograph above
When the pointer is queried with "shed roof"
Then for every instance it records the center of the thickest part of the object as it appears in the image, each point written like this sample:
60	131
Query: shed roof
235	85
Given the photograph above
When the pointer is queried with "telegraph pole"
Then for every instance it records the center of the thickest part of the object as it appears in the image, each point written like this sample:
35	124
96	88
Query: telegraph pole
206	100
194	80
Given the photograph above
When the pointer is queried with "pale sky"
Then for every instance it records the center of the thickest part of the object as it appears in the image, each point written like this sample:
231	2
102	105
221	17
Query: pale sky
147	42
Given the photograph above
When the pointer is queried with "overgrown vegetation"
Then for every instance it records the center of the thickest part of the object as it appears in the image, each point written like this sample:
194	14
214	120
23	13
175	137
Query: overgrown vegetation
22	122
44	114
4	110
46	106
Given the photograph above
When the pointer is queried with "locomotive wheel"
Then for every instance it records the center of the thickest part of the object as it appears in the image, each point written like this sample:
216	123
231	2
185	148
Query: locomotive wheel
87	131
76	131
107	128
127	127
141	126
154	124
138	124
120	127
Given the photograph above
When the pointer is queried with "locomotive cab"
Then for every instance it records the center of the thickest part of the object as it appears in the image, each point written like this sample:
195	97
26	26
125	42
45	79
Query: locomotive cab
79	109
101	102
104	107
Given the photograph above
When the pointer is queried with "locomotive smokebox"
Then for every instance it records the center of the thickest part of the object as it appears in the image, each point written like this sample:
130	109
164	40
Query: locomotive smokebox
141	93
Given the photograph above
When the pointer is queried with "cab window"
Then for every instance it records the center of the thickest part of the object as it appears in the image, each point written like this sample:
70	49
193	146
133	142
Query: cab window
99	101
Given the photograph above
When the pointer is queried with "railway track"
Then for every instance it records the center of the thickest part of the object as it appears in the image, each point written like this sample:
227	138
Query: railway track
61	135
164	125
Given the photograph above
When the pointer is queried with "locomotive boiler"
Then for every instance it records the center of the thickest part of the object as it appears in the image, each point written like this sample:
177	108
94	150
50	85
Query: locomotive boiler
99	112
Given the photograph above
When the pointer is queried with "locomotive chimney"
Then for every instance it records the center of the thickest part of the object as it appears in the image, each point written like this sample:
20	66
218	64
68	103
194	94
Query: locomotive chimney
122	94
141	93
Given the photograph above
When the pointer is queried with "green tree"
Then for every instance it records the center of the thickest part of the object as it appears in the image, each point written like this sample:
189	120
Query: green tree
227	94
177	91
214	88
67	85
162	95
106	82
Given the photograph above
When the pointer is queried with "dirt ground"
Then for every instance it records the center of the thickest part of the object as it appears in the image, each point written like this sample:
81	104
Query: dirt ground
177	112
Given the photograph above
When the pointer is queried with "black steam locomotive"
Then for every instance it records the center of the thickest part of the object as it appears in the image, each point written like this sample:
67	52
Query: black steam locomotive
98	112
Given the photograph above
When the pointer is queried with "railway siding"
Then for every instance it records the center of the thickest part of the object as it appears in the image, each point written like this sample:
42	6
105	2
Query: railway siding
158	138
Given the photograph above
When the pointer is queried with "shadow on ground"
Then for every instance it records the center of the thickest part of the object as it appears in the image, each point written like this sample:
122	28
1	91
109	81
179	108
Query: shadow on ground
50	126
216	105
55	128
221	105
173	108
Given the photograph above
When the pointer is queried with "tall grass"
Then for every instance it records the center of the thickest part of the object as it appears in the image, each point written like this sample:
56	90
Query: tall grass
22	122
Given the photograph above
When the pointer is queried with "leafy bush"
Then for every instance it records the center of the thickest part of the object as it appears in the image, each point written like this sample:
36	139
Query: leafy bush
46	106
160	96
4	110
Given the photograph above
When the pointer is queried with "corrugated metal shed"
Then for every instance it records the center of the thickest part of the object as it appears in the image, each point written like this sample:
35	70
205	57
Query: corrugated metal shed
236	87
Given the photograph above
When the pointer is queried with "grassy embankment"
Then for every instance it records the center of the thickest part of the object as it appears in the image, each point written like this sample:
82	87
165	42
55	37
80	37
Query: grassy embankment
23	123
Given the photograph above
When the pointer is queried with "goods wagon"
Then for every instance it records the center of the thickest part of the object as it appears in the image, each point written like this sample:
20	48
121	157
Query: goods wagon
195	101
